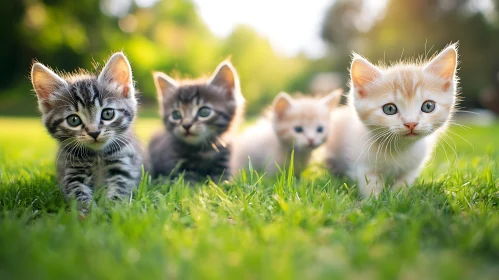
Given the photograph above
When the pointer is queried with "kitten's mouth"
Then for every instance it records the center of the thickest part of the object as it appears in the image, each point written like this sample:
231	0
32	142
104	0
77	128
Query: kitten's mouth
96	144
411	134
312	146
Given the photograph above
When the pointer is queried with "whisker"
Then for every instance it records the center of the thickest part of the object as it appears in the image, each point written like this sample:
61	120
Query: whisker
367	145
380	147
462	139
125	142
468	112
61	150
455	153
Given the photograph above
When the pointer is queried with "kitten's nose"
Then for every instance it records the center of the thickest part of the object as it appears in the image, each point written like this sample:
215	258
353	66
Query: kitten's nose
187	126
94	134
411	125
310	141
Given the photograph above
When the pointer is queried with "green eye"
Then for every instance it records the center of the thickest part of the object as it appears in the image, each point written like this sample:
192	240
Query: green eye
390	109
107	114
204	112
176	115
73	120
428	106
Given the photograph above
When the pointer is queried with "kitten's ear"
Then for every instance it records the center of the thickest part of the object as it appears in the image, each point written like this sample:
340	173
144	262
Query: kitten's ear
164	85
362	72
45	82
118	72
226	76
282	103
333	99
444	64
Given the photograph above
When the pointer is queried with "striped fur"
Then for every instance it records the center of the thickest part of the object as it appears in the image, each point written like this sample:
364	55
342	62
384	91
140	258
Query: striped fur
195	145
111	160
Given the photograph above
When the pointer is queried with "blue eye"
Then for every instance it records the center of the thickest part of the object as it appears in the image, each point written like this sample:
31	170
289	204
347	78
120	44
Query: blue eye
428	106
107	114
320	129
390	109
73	120
298	129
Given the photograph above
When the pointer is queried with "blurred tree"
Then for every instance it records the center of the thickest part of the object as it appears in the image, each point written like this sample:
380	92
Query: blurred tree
419	28
340	30
263	74
13	52
168	36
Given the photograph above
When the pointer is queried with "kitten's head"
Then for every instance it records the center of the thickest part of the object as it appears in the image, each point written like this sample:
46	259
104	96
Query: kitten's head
196	113
302	123
408	100
86	110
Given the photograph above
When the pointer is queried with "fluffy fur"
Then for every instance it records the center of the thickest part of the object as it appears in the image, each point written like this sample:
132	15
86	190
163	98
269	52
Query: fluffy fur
91	116
299	124
198	118
389	129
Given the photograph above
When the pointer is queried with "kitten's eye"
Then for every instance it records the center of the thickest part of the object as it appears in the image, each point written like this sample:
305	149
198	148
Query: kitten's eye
107	114
428	106
204	112
73	120
320	129
390	109
298	129
176	115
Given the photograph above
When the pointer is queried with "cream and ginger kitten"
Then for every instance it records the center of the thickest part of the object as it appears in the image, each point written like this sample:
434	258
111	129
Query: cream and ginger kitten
394	117
299	124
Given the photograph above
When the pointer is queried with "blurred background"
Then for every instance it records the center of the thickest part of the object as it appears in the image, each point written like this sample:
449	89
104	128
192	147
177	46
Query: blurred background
275	45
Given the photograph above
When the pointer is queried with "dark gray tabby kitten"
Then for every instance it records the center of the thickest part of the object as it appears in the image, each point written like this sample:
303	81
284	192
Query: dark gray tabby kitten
198	117
91	117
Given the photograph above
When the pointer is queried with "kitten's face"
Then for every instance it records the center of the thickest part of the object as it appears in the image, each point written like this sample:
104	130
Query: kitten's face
197	114
86	110
409	101
303	123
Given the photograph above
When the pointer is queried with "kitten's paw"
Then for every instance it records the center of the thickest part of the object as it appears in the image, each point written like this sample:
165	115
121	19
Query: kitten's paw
370	185
82	215
399	185
117	197
368	191
83	207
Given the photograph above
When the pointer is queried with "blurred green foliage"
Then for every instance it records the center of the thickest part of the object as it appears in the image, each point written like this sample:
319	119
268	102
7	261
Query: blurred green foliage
417	29
171	37
168	37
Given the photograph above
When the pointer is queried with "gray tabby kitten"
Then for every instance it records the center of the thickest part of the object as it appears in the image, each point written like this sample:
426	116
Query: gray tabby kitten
91	117
198	118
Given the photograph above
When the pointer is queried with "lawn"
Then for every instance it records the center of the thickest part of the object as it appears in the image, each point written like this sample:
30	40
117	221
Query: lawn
445	227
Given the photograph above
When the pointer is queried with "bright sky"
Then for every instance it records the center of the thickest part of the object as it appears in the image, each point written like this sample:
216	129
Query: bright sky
290	25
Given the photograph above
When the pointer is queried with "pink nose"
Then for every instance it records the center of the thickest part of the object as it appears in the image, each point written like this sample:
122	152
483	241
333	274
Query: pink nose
411	125
310	141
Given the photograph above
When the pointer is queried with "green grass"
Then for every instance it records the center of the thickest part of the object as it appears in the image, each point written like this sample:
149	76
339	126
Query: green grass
444	227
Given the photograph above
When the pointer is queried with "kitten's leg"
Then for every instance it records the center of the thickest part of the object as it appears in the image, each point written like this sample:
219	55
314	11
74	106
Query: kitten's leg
122	176
191	178
221	177
406	180
369	184
76	184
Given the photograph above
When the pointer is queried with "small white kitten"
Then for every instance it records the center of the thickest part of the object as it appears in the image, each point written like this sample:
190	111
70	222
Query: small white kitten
394	116
299	124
